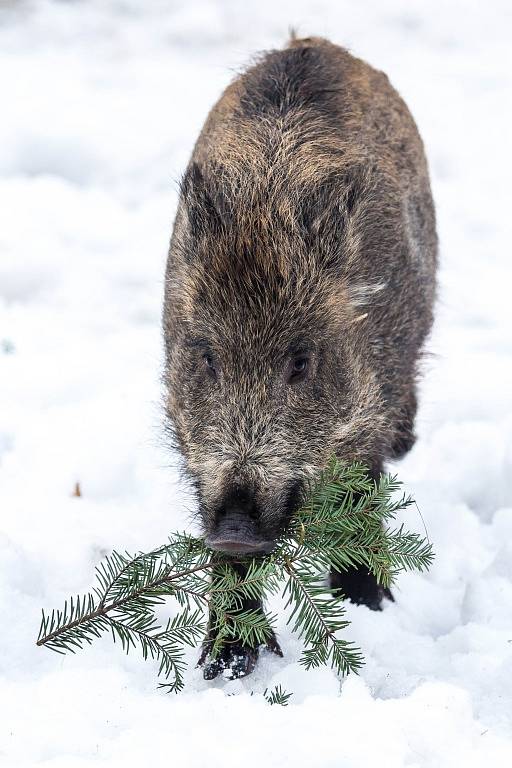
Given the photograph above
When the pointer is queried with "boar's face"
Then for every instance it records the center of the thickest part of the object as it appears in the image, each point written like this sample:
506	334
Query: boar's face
263	377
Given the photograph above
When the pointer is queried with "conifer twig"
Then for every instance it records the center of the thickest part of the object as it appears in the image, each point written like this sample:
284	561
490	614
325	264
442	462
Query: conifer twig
102	610
343	523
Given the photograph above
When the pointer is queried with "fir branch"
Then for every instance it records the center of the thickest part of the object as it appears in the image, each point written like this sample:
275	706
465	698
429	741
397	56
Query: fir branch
343	524
60	627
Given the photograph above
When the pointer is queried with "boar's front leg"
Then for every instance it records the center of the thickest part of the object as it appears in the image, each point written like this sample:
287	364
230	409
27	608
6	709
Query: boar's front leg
236	659
358	584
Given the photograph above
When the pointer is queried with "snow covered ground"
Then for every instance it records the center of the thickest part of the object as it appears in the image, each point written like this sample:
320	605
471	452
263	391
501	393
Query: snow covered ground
101	102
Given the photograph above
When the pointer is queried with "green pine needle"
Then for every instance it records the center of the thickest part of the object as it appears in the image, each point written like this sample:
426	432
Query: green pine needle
277	696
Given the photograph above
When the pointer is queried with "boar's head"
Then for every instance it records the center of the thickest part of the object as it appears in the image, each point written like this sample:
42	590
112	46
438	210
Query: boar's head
265	371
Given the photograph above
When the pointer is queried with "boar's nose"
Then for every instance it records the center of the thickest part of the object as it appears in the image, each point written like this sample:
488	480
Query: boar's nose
237	529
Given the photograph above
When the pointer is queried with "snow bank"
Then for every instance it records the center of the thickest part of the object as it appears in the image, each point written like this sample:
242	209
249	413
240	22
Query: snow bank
102	101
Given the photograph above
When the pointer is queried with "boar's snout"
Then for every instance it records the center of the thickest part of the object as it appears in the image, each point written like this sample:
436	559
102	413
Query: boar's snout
240	527
237	525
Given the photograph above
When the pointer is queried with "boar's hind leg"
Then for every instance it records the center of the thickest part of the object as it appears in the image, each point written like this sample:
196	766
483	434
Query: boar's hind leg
357	584
236	659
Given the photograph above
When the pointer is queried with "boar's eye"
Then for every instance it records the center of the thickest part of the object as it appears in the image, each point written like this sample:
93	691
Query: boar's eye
210	367
297	369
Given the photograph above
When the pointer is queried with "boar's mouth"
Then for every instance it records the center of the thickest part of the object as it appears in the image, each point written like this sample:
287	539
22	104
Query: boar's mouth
236	547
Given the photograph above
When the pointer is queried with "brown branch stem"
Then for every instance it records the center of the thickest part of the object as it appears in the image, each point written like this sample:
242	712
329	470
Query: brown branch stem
103	610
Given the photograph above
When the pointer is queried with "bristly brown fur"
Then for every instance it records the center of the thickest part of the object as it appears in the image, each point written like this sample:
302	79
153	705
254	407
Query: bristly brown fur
305	221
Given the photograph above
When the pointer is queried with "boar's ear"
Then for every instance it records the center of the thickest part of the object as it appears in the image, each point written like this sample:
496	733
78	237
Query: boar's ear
326	212
206	206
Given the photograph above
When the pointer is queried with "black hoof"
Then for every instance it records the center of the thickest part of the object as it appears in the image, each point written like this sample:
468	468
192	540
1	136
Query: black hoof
235	660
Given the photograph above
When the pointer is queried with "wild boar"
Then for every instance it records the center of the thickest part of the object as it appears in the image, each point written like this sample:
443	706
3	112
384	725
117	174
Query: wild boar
299	293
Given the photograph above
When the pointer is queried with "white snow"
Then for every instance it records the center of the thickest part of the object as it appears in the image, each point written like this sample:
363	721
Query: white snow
101	103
